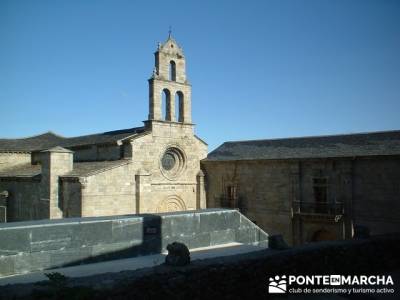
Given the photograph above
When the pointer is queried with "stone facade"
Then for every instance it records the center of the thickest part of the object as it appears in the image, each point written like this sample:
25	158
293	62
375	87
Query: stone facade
10	159
26	203
154	168
309	199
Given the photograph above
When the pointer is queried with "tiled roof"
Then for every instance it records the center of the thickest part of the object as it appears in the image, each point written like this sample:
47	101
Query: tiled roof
83	169
80	169
347	145
58	149
39	142
49	139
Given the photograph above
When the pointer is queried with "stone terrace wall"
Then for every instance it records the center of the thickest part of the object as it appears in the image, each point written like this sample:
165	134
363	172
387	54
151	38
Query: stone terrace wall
29	246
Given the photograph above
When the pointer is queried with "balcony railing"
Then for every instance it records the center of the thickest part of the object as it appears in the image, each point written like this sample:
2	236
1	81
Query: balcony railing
318	208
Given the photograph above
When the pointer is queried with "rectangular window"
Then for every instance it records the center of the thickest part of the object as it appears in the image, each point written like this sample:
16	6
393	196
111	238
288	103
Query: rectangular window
320	188
230	196
231	192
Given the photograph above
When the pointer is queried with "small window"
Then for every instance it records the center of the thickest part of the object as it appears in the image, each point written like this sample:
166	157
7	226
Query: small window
179	106
230	197
166	105
172	71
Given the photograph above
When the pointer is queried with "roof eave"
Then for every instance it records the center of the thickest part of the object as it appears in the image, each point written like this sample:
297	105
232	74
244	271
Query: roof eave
206	160
102	170
16	151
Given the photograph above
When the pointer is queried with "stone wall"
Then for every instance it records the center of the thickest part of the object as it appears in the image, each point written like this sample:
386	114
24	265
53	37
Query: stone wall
264	191
117	191
55	162
71	198
337	173
11	159
108	193
362	191
96	152
29	246
163	57
23	201
144	185
181	189
376	200
175	85
85	153
156	88
106	152
32	198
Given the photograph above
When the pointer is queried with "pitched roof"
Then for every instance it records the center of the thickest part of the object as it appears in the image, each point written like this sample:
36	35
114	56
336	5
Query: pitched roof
49	140
84	169
346	145
80	169
38	142
58	149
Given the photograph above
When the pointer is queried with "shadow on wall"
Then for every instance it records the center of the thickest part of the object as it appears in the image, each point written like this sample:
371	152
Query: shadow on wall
44	245
151	243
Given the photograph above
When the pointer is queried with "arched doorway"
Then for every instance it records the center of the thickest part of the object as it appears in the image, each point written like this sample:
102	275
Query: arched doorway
171	203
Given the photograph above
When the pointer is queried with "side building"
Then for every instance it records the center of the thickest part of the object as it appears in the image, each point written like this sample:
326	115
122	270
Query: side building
311	188
153	168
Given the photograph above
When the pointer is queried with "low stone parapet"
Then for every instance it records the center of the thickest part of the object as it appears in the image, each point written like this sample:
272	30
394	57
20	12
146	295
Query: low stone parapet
47	244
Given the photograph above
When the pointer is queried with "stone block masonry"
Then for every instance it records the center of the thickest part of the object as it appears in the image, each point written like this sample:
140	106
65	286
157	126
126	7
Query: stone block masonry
43	245
154	168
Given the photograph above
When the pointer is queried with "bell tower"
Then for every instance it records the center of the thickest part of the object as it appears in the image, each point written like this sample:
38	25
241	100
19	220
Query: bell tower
169	84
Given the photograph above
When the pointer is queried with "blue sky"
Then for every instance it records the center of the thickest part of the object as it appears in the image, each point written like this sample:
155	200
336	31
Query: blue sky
259	69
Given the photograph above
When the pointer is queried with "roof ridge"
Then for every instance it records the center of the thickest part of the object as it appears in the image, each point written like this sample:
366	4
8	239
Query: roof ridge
34	136
315	136
71	137
117	131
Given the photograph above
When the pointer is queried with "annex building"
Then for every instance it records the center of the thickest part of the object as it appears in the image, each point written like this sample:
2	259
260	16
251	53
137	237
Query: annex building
310	188
152	168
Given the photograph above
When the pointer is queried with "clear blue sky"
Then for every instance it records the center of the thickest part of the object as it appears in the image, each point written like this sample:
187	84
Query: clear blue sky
259	69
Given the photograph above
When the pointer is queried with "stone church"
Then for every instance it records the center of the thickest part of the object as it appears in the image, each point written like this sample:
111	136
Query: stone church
308	189
153	168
